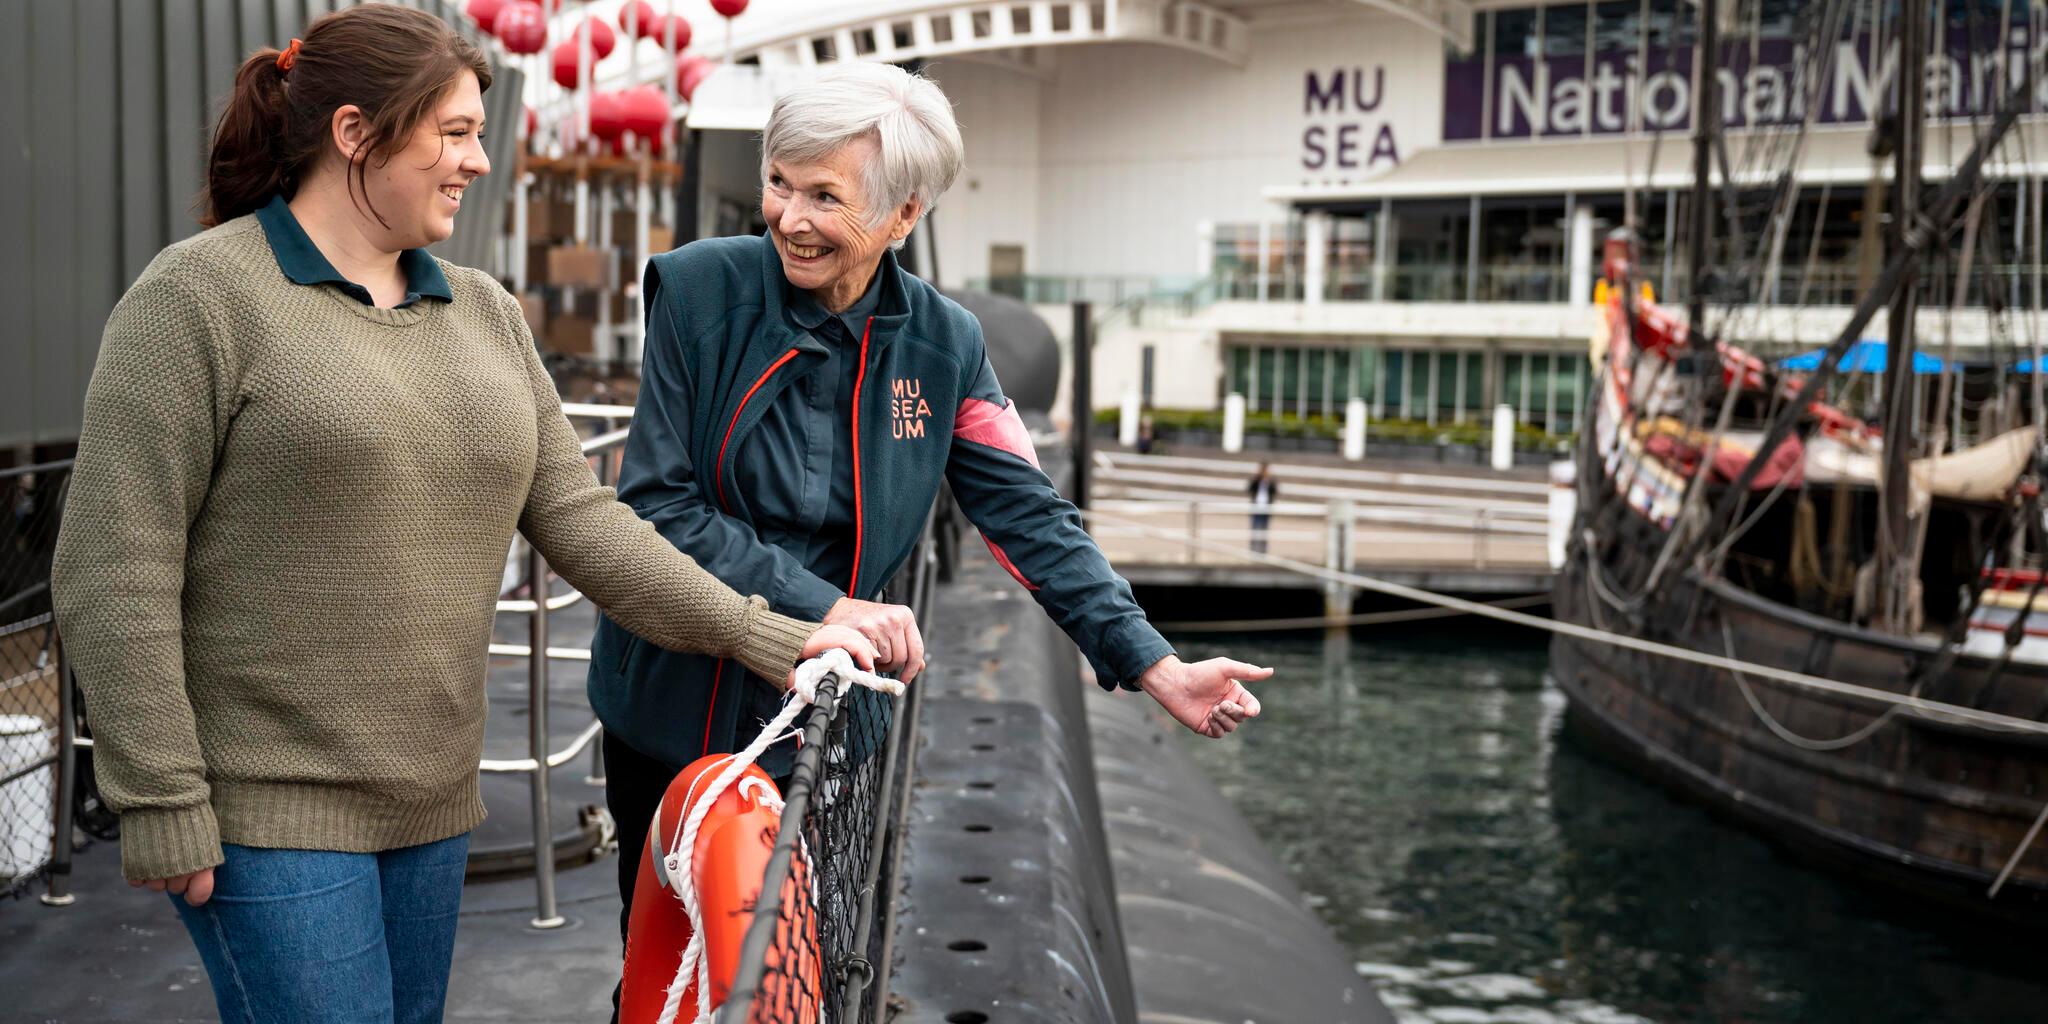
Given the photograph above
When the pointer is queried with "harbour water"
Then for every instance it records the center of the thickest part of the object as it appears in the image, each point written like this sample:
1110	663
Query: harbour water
1481	865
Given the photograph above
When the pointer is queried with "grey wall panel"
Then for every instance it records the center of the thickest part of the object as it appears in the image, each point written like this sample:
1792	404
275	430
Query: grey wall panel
17	338
96	225
258	25
185	118
105	110
221	51
53	244
144	191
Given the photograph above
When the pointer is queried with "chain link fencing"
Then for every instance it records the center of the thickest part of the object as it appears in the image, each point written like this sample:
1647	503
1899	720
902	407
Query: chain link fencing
31	501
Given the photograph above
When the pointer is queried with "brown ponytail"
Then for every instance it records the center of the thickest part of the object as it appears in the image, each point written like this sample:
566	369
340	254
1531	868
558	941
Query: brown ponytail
395	63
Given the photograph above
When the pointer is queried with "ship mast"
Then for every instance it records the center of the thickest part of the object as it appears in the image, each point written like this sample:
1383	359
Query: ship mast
1897	562
1706	125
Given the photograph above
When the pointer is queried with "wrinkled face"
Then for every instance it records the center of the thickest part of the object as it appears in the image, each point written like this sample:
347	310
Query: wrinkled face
819	217
419	190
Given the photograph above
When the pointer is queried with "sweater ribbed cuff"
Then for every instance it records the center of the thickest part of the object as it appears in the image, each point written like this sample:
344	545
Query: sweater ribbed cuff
772	642
168	842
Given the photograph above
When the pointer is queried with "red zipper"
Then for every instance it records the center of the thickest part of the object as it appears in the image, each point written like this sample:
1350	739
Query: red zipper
718	474
859	378
716	674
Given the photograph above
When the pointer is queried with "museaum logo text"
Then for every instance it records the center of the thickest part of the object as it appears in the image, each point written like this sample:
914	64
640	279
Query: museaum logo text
907	408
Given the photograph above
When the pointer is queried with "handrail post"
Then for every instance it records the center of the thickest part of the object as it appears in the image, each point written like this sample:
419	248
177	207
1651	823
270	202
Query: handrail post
1479	526
1340	518
1194	531
545	915
59	892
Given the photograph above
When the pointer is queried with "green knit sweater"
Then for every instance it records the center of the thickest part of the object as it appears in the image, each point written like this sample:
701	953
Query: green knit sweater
283	544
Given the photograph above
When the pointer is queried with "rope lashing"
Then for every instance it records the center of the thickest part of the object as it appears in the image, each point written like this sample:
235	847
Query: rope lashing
677	864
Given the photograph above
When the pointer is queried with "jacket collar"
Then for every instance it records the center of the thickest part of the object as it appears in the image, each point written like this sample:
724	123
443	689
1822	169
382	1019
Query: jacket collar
892	310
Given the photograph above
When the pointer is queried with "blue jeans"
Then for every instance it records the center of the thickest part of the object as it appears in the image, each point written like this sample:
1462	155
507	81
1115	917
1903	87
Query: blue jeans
315	936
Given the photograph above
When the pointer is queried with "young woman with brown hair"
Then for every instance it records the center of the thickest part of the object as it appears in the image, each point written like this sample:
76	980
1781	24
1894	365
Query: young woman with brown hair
307	445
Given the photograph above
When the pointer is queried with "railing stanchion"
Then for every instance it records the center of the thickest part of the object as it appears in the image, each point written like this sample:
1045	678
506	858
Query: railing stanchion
537	741
1194	531
596	776
59	892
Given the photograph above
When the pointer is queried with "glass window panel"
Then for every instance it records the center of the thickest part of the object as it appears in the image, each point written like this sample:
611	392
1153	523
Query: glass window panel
1421	375
1318	371
1514	32
1564	31
1447	364
1617	26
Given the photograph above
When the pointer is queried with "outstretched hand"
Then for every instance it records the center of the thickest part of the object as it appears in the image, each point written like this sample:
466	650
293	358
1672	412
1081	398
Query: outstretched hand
1207	696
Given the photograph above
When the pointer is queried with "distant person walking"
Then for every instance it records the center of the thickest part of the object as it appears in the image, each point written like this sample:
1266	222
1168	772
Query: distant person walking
1264	492
307	445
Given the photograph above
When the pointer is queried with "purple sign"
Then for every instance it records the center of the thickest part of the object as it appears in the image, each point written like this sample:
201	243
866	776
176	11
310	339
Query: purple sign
1527	97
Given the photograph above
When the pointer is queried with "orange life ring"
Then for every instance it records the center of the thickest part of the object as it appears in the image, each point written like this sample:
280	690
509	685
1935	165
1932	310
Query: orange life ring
729	859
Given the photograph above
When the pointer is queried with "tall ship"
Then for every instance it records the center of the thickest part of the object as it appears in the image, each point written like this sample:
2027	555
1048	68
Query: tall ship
1848	541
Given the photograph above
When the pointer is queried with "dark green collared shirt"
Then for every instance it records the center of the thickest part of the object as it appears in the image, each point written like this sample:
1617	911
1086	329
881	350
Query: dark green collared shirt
303	263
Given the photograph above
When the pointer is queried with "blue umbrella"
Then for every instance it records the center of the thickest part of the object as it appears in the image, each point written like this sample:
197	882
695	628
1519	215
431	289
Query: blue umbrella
1866	356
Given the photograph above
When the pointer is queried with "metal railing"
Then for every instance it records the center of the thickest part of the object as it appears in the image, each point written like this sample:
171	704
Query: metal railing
1396	528
602	450
1102	290
820	944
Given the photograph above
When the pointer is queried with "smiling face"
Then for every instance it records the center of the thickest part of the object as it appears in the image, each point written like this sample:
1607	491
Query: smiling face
419	189
819	217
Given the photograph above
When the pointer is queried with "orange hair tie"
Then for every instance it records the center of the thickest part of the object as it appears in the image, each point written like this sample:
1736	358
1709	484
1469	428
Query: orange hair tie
288	56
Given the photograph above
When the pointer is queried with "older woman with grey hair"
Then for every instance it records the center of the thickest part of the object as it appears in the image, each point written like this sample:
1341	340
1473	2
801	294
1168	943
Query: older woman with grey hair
802	398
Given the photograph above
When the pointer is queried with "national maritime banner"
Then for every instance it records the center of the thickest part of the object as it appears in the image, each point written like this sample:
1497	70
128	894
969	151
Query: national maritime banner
1770	84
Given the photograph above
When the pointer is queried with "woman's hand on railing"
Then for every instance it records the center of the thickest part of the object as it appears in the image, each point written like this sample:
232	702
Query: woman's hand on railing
844	638
1207	696
892	629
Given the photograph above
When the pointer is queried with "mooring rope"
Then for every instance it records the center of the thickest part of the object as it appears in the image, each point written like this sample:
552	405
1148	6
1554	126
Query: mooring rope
1320	621
1952	713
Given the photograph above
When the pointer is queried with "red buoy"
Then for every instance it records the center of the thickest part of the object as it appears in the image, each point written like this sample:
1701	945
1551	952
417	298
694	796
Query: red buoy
607	115
484	13
727	863
691	71
644	111
522	26
659	33
644	11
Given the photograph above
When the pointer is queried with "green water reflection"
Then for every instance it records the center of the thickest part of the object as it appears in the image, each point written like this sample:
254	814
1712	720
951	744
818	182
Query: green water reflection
1482	867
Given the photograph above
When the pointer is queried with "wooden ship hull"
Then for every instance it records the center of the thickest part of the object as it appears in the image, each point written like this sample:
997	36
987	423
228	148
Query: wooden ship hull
1945	809
1924	806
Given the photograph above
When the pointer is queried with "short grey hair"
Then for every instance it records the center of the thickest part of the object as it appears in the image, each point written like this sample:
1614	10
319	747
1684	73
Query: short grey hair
907	115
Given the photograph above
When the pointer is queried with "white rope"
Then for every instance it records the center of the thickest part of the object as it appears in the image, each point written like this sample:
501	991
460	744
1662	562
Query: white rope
677	864
1952	713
